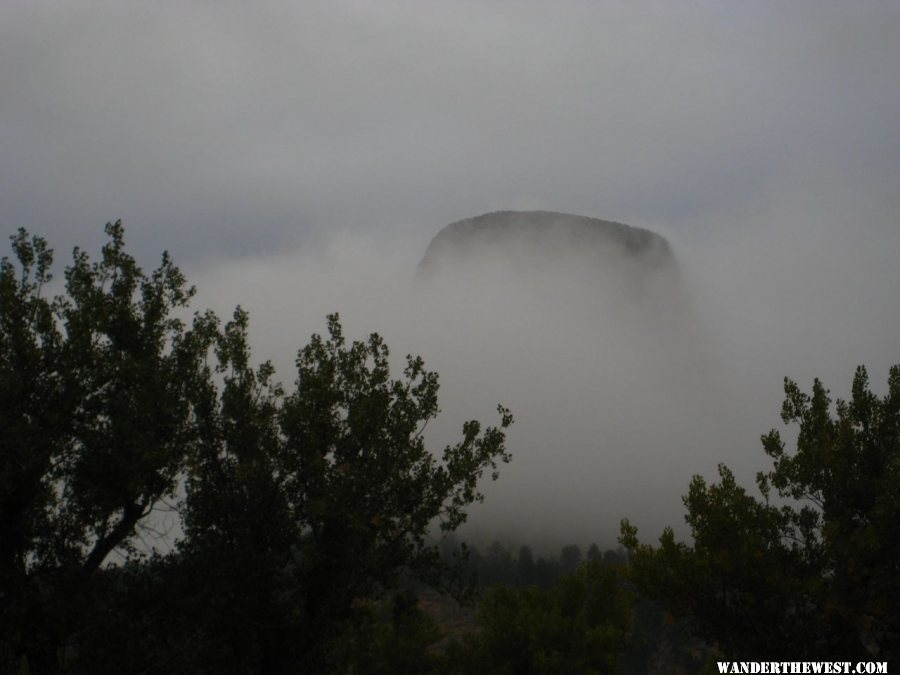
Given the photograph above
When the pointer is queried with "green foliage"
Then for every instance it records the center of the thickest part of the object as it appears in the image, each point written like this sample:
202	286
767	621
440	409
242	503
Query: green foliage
580	625
497	565
95	420
818	569
399	642
338	472
297	506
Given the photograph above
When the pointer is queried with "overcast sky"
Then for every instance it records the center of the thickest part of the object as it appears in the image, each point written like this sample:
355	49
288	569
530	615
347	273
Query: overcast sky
234	128
297	158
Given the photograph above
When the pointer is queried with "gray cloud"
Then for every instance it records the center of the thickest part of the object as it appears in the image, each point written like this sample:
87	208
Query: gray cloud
228	127
297	158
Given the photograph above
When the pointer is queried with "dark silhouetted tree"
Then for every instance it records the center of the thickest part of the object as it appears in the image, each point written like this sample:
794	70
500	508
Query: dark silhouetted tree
569	558
95	426
525	574
298	507
818	569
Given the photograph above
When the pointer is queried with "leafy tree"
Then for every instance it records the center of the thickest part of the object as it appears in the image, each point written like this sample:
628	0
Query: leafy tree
816	570
297	506
580	625
340	468
399	644
95	424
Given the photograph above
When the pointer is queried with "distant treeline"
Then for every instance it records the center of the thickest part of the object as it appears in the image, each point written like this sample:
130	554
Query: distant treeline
499	565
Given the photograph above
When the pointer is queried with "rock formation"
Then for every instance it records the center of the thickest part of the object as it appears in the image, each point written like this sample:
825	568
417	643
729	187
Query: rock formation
543	246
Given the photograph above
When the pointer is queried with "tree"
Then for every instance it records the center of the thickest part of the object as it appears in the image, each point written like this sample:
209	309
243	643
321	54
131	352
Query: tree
342	471
95	423
569	558
402	643
818	569
579	625
525	567
296	506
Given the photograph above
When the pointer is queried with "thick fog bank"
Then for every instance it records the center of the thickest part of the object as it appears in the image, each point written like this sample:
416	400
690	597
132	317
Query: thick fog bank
620	392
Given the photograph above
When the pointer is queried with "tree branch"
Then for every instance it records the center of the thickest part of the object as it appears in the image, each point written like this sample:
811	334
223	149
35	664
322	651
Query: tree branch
131	514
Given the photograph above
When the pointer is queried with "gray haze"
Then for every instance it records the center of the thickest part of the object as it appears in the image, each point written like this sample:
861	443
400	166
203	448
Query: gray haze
297	158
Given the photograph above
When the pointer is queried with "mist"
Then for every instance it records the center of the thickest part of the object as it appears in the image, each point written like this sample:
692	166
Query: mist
298	160
620	395
304	159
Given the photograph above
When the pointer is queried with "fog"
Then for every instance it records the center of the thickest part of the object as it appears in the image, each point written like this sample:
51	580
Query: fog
297	158
620	394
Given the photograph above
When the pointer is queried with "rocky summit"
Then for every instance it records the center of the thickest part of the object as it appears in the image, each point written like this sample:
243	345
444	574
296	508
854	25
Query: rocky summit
531	236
